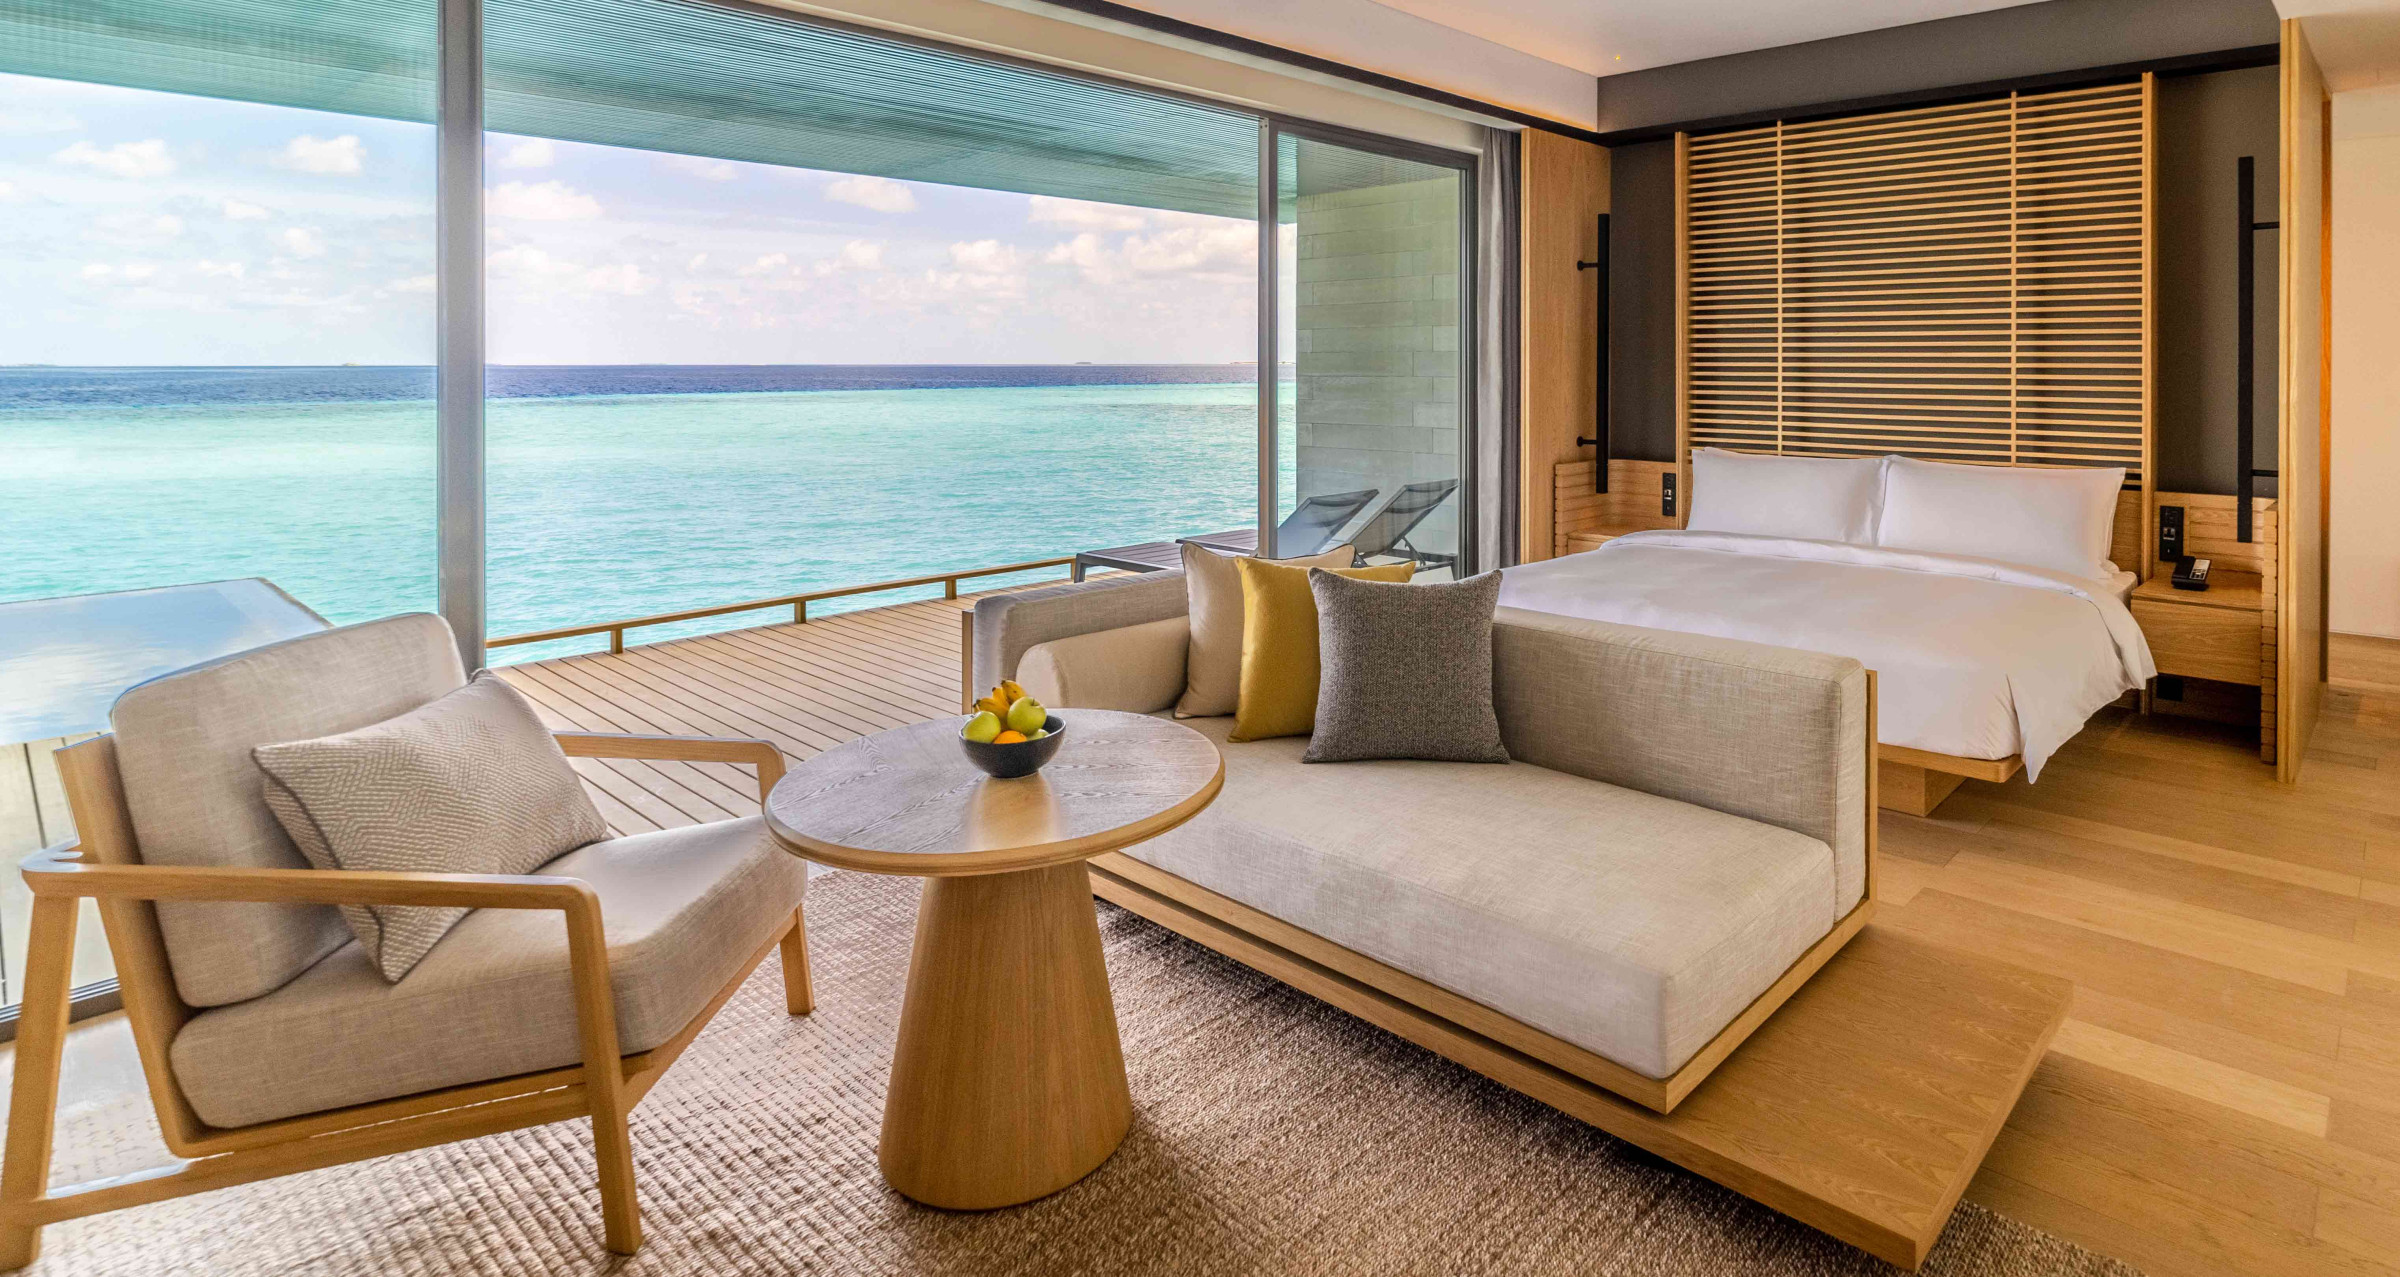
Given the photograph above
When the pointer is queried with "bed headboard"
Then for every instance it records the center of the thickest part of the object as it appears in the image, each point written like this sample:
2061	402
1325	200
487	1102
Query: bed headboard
1966	282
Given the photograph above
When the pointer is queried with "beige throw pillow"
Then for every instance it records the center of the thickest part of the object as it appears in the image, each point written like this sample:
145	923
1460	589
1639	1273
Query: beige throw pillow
1213	663
469	783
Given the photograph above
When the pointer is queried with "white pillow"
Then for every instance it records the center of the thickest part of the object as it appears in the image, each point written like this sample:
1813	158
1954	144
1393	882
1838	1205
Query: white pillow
1811	498
2055	518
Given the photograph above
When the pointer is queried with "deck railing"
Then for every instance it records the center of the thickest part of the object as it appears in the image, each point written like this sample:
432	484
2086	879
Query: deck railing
615	630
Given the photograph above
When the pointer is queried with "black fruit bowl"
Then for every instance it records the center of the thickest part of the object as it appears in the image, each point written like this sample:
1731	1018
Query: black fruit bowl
1017	758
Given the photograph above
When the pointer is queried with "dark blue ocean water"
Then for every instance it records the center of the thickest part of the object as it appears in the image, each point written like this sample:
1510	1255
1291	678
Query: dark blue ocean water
46	389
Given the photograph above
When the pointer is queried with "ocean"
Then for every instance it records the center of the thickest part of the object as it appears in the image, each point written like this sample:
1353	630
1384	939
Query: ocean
612	491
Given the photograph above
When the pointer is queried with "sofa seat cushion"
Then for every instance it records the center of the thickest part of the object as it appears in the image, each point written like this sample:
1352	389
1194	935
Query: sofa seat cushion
684	909
1633	926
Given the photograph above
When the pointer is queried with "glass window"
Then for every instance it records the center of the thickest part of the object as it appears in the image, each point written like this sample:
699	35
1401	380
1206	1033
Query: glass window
1372	314
215	356
776	307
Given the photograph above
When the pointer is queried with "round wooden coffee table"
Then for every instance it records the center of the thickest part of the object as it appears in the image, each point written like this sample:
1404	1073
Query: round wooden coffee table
1008	1082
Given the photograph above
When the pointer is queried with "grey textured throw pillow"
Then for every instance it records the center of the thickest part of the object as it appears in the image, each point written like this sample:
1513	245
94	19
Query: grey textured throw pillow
1407	670
469	783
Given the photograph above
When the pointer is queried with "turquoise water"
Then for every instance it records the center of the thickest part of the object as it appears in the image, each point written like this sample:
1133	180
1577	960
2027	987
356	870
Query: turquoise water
604	507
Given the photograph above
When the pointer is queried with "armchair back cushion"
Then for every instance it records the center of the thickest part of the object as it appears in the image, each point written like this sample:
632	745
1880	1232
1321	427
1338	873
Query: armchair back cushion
197	797
467	783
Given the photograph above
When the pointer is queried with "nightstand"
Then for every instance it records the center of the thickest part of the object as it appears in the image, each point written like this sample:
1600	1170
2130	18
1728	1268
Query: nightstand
2212	633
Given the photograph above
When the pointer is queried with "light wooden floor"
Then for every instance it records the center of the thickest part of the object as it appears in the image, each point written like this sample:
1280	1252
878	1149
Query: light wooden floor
2226	1097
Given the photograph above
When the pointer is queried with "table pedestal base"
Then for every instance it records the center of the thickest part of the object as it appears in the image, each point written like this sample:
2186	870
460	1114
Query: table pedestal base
1008	1082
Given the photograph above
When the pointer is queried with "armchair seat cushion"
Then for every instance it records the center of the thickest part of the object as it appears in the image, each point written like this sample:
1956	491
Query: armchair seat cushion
684	909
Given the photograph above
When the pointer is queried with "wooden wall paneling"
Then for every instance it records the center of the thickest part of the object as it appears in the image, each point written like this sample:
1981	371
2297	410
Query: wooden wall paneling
1963	282
2149	541
2300	638
1564	187
1631	503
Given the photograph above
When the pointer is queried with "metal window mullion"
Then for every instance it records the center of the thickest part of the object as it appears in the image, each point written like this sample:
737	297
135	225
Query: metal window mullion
459	321
1269	305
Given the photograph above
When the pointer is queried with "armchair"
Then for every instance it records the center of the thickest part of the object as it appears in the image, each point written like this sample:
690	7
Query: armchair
511	1021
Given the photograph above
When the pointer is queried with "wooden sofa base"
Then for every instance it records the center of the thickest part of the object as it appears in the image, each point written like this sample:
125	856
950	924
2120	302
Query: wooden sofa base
1861	1107
1916	781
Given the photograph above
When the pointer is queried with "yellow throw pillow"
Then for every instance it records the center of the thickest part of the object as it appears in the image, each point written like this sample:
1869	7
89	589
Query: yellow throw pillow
1279	646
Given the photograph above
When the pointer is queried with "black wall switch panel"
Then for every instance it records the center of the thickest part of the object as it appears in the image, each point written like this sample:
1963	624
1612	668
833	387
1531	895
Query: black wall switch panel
2170	532
1666	494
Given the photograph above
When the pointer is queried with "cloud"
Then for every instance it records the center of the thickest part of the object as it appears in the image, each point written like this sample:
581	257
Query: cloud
542	202
238	211
1215	250
134	228
538	271
224	270
130	272
302	241
704	168
698	260
624	279
985	267
858	254
27	123
330	156
767	265
881	194
1050	210
8	193
533	152
413	284
985	257
147	158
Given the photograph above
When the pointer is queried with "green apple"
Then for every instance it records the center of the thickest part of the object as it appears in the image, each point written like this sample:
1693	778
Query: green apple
1037	733
982	728
1027	716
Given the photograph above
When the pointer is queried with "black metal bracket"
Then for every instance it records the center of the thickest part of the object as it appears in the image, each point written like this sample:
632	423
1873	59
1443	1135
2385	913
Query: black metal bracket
1598	439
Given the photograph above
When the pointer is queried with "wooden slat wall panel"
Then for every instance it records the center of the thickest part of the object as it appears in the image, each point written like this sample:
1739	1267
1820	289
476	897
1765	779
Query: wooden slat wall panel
1967	282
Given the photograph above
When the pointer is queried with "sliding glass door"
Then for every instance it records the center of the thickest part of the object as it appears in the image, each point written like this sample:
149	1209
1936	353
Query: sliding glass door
1373	397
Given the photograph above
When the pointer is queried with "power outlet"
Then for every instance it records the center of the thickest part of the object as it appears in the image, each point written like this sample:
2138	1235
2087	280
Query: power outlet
2170	533
1666	494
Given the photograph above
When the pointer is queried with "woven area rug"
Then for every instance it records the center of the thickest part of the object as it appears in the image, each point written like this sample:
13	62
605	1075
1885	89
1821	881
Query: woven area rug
1272	1134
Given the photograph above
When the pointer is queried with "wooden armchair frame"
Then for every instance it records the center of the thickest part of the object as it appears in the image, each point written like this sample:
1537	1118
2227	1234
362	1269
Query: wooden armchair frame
106	866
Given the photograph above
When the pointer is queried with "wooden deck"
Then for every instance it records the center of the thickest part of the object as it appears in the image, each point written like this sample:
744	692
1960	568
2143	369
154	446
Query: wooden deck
806	687
2225	1097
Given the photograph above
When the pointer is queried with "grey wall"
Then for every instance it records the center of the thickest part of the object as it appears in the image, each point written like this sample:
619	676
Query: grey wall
2205	124
1641	301
2004	44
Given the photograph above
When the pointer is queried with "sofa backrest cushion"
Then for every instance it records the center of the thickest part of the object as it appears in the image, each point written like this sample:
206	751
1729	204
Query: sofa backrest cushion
1771	733
1007	624
197	798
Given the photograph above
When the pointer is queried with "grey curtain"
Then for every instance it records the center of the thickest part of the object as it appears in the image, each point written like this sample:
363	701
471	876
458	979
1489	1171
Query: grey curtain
1496	364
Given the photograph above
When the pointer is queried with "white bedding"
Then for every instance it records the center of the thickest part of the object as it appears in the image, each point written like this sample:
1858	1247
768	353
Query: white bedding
1973	657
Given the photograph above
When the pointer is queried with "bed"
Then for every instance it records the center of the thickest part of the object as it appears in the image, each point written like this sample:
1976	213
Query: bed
1984	664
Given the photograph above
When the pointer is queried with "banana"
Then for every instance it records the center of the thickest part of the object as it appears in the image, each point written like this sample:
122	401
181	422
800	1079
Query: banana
1010	691
993	704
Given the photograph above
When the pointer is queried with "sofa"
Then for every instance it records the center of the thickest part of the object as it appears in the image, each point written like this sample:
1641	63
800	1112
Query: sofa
1684	835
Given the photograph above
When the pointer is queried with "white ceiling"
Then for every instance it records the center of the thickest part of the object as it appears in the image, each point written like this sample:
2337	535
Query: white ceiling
1604	37
2357	42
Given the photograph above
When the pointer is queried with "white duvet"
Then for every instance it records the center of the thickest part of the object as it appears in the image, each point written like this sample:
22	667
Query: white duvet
1973	657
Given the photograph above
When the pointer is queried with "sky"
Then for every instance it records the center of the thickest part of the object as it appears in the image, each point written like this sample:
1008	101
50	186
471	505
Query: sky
152	228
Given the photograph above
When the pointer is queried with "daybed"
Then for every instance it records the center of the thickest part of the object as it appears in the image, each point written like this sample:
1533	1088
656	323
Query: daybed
1684	839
